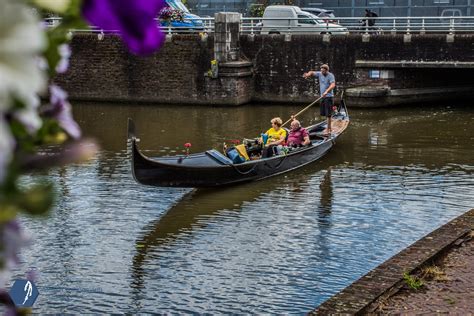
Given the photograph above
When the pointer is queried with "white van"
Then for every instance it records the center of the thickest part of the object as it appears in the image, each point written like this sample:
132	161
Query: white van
451	12
293	20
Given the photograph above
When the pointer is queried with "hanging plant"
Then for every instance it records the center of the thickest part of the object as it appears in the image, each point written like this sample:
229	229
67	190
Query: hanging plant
168	15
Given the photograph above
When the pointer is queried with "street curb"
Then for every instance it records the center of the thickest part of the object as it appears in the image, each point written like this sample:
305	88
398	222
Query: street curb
363	295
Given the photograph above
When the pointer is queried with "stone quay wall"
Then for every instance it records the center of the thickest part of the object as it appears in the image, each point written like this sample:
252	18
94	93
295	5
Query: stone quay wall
364	296
279	63
103	70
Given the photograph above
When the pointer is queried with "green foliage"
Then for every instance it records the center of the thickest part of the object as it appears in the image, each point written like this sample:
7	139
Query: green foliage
413	282
256	10
58	36
37	199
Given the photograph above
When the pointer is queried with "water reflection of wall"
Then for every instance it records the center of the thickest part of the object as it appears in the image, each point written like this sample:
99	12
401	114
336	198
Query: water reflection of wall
429	137
416	135
172	126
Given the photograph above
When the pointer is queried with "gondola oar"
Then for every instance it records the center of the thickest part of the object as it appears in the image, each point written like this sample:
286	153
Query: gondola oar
294	116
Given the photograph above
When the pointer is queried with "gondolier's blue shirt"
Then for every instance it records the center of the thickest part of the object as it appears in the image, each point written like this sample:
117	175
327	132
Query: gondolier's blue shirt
325	82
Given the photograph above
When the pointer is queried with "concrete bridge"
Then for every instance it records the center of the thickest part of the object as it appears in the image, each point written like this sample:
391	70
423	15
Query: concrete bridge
376	70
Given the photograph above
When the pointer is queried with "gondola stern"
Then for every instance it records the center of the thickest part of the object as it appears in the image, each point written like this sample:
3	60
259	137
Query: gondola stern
343	106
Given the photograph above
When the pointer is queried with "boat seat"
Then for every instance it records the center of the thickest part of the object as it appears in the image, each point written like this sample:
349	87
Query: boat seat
219	157
315	135
287	134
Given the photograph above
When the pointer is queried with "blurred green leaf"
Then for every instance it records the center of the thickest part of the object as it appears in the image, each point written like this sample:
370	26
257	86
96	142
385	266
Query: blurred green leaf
8	212
49	128
25	141
74	8
57	36
37	200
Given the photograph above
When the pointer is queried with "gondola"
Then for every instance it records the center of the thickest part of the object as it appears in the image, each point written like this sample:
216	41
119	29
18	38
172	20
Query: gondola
213	168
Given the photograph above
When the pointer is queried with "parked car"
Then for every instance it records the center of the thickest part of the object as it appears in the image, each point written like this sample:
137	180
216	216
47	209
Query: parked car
293	20
451	12
325	15
190	21
447	21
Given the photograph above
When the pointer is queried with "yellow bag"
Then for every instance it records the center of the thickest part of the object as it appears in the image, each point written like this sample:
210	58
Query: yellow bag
243	151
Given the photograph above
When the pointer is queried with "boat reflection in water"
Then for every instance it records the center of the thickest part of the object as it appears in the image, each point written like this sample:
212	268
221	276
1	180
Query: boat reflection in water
325	204
196	209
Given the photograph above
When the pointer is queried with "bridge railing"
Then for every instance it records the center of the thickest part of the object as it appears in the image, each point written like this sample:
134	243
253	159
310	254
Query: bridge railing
382	25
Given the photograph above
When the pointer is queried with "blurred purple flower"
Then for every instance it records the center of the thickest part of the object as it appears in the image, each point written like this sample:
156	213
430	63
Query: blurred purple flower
134	19
65	53
32	275
7	143
60	109
13	239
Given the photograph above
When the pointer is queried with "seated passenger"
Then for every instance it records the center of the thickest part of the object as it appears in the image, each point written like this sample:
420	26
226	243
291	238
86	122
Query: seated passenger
298	135
276	136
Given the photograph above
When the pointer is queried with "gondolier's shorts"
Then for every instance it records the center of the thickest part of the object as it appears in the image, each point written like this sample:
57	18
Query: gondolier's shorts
326	106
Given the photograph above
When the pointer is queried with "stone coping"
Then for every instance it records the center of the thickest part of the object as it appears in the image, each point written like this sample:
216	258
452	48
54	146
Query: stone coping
413	64
362	296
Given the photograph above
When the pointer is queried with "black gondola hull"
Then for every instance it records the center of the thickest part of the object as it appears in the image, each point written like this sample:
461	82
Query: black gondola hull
156	173
211	168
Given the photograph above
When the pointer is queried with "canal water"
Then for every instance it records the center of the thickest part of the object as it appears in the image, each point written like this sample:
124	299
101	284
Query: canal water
282	245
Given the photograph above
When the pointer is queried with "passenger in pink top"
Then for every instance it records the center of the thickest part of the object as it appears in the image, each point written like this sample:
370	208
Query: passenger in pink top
298	135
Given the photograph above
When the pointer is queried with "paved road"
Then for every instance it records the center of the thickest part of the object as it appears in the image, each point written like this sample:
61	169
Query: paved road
450	292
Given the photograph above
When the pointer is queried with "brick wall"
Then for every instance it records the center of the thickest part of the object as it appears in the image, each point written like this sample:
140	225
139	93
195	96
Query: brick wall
104	70
279	64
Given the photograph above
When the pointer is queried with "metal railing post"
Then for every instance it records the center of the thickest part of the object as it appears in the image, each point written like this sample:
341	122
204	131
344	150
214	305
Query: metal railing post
422	31
451	26
394	28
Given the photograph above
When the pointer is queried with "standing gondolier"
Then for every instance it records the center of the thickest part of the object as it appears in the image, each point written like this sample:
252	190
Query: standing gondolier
327	83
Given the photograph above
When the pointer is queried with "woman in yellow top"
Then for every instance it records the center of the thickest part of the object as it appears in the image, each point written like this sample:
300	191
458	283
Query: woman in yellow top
276	136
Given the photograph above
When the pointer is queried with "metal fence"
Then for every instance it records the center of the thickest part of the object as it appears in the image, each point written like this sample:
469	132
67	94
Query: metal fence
385	25
382	25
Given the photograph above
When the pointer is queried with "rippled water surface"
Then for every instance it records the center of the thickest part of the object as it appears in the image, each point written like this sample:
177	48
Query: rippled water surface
282	245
